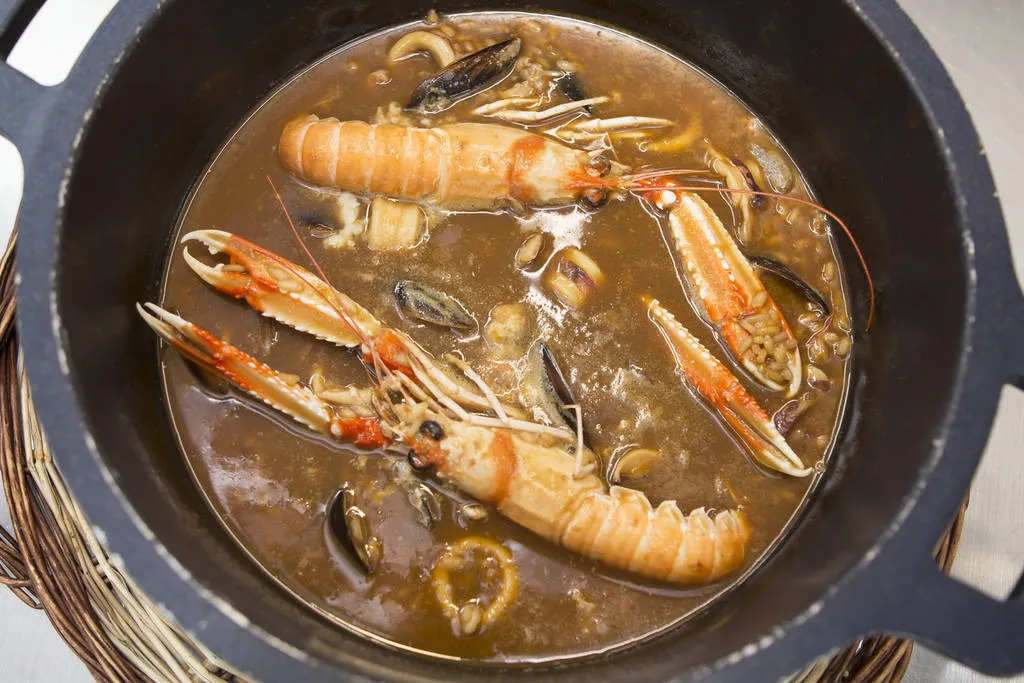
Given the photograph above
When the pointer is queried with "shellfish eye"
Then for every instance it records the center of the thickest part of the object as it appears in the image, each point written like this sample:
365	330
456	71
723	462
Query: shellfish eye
594	198
432	429
599	165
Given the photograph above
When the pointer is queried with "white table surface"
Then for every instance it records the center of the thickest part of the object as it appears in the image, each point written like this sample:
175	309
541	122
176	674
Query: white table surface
980	43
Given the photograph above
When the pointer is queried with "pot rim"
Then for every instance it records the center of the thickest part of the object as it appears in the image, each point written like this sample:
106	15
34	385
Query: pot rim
828	623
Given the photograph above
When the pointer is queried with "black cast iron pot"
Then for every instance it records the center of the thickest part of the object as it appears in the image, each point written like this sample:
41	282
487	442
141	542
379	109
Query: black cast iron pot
852	89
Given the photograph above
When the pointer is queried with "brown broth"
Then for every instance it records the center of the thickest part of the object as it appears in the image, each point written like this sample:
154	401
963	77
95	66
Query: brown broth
269	479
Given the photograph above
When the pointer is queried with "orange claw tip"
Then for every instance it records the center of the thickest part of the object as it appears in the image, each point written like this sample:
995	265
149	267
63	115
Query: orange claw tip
191	341
181	334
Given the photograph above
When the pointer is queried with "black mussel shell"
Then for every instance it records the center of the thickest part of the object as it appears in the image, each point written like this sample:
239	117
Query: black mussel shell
427	505
571	86
757	201
465	78
786	273
559	387
786	416
350	528
426	304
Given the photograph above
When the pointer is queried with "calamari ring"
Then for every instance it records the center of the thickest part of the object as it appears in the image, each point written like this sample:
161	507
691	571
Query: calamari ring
418	41
454	556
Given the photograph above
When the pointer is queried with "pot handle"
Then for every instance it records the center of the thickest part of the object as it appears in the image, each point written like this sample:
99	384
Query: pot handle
21	98
951	616
962	623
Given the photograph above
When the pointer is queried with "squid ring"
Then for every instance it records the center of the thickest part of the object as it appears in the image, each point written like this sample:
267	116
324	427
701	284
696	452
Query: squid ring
418	41
471	617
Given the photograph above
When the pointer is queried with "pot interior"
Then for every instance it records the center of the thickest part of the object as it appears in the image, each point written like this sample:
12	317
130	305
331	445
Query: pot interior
813	71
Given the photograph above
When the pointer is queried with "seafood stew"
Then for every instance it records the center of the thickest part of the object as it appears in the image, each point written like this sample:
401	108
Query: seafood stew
541	355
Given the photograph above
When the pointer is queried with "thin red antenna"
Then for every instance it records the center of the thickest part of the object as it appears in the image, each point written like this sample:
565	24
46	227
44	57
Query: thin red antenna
295	232
797	200
339	309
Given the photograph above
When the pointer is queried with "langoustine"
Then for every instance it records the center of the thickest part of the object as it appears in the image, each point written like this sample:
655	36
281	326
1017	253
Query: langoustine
459	167
528	471
480	166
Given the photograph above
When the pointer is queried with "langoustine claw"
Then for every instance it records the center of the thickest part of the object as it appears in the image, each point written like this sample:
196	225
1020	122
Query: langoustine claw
280	289
731	401
354	421
728	294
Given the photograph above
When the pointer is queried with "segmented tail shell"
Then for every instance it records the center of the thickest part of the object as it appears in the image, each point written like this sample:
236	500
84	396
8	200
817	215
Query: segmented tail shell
620	528
463	166
534	485
386	159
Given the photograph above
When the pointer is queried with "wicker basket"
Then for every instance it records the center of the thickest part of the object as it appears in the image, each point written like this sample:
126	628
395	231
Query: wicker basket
53	562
